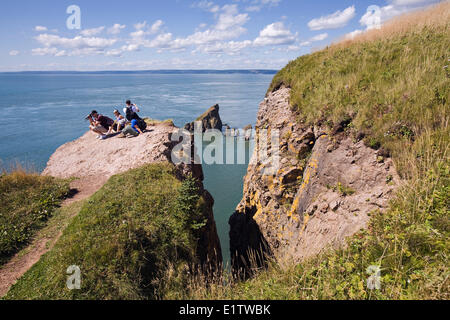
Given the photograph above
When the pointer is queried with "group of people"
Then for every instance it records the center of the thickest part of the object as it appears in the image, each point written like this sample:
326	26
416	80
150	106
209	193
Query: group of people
128	125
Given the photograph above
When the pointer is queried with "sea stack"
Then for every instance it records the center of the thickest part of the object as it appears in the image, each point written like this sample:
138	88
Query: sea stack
210	120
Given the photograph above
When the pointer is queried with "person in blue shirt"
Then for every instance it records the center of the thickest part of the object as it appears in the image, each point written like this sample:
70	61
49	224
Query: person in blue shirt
132	129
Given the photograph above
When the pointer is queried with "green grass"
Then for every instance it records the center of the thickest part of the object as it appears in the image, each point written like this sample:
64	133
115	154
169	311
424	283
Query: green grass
409	243
154	122
27	201
393	91
135	238
126	238
342	189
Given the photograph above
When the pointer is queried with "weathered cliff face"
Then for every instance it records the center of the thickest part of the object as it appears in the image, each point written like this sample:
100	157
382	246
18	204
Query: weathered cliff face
210	120
94	161
323	191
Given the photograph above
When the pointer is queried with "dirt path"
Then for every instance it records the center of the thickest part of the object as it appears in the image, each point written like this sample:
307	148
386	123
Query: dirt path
27	257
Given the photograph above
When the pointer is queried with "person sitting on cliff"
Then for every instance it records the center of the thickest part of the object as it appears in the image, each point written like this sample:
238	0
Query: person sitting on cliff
100	124
119	124
131	111
132	129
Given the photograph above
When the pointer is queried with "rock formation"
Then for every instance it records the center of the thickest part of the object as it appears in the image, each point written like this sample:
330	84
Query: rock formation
323	191
94	161
248	131
210	120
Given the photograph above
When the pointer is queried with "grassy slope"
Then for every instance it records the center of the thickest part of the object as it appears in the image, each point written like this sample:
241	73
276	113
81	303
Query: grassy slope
27	201
392	86
127	237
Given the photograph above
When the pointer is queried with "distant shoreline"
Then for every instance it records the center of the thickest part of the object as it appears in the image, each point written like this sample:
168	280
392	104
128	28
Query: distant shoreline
163	71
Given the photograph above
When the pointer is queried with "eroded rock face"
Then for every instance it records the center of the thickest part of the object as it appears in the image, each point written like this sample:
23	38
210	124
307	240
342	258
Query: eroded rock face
323	191
210	120
95	161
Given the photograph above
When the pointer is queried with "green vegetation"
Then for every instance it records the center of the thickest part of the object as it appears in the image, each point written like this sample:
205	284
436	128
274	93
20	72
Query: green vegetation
27	201
140	226
154	122
394	87
135	238
342	189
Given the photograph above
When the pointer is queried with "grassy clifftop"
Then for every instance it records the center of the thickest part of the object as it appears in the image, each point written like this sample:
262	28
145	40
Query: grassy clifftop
389	87
129	240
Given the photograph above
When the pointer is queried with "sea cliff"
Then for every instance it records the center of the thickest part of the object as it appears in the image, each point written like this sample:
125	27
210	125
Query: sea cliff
323	192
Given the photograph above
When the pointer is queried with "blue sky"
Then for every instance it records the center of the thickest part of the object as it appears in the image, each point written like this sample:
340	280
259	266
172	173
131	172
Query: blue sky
180	34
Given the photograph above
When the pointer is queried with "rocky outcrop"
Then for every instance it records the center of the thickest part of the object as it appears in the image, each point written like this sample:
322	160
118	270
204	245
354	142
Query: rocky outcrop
210	120
94	161
322	192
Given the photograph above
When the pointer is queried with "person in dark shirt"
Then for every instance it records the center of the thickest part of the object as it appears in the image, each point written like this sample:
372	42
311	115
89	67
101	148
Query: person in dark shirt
100	124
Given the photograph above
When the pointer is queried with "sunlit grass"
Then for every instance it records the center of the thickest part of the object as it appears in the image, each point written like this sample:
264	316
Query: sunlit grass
392	85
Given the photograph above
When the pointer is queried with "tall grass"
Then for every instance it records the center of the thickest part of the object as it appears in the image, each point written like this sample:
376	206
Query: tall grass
125	239
392	85
27	200
434	17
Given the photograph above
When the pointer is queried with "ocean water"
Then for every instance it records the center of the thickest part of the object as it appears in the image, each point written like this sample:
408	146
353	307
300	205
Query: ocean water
41	111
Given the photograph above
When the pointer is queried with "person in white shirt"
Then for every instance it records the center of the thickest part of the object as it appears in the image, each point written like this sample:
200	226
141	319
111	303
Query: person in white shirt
131	111
119	124
133	107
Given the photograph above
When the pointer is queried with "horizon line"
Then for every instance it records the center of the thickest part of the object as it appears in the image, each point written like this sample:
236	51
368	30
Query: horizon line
149	71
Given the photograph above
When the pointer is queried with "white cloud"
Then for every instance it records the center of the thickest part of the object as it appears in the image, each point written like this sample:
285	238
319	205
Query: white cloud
48	51
408	2
376	16
49	40
317	38
275	34
221	37
230	18
207	6
372	17
353	34
156	26
143	30
140	25
336	20
92	32
116	28
229	25
14	53
230	47
40	29
161	41
257	5
77	46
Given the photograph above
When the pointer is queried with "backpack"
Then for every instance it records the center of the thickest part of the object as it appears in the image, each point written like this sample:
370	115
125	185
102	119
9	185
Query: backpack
142	124
130	115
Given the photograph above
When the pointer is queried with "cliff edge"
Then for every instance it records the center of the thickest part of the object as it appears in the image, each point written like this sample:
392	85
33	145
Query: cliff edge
324	190
92	162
